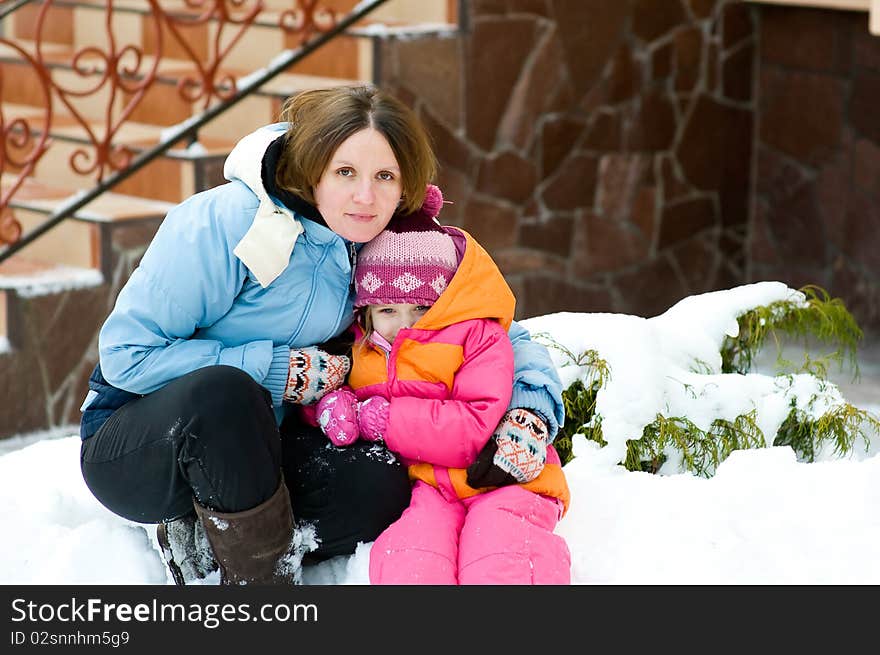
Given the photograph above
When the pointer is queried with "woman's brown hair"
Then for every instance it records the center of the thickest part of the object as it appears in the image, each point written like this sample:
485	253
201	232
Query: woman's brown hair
321	119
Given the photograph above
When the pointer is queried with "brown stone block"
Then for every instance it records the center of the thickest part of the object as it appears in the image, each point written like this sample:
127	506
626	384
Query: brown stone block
625	77
862	244
654	126
737	24
456	188
539	90
778	177
797	37
712	73
686	218
661	61
602	245
496	53
699	262
591	32
688	58
731	246
863	104
605	132
796	229
133	235
735	188
760	246
644	212
802	115
24	399
652	19
507	175
859	291
866	166
431	68
559	135
866	48
516	261
62	327
649	290
674	186
833	191
737	75
548	295
492	224
716	142
621	176
574	184
702	8
450	149
552	235
78	389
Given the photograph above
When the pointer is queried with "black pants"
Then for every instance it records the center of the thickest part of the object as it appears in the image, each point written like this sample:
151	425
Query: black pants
212	435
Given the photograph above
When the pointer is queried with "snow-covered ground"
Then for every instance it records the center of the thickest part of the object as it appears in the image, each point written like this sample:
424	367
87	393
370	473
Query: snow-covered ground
763	518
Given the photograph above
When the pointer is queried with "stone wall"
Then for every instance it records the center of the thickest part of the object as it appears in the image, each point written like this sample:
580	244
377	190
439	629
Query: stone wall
817	197
601	151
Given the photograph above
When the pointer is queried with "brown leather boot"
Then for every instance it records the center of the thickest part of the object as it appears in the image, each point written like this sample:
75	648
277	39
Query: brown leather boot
251	546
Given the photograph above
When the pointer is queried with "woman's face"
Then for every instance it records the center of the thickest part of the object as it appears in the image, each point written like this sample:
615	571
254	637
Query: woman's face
360	188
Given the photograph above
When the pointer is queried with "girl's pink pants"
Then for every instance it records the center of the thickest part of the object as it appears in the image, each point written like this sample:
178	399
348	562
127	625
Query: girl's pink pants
501	537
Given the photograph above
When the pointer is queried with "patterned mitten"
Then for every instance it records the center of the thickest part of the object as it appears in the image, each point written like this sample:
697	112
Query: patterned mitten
337	414
313	373
515	454
373	418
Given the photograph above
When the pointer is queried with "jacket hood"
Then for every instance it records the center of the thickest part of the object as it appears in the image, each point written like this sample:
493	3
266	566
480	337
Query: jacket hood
477	290
268	244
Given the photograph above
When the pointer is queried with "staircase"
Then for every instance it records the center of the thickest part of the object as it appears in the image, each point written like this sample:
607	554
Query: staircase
56	291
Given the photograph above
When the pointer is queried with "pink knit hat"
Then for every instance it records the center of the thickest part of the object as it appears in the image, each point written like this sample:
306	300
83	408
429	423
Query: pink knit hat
411	261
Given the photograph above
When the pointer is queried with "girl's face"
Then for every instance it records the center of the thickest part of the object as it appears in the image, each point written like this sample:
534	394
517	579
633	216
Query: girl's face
360	188
388	320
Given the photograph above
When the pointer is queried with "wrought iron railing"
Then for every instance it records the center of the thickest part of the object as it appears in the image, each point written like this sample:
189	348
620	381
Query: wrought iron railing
123	73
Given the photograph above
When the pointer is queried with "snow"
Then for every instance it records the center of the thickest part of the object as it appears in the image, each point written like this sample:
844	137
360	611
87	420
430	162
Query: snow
53	280
763	517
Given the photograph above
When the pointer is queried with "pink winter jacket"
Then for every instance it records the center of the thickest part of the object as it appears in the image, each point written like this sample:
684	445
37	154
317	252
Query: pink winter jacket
449	377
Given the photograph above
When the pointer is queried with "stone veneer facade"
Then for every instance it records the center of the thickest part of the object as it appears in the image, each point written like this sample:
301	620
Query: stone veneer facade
611	155
601	151
816	215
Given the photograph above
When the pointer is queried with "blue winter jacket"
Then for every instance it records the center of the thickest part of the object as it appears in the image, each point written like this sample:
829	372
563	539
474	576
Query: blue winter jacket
234	277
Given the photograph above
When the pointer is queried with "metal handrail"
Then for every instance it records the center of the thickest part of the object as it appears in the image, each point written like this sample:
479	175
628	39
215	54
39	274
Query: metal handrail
190	126
12	6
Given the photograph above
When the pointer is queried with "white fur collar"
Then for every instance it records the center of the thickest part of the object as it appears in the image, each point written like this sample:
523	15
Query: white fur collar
268	244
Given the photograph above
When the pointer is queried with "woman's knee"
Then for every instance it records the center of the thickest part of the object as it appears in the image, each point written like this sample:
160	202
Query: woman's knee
225	394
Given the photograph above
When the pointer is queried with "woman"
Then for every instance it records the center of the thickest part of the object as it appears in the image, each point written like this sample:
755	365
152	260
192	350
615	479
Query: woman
212	345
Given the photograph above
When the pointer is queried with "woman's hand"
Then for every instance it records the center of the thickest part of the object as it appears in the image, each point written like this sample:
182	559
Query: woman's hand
313	373
514	454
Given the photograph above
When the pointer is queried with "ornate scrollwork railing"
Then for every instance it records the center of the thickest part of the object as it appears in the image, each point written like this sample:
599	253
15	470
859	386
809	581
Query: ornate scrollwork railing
119	74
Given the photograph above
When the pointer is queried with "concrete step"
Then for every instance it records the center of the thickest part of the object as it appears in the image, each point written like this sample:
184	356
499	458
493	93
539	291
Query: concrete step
23	278
76	242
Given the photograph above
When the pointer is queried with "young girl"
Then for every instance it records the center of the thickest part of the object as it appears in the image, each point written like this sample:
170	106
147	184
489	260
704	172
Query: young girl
431	374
